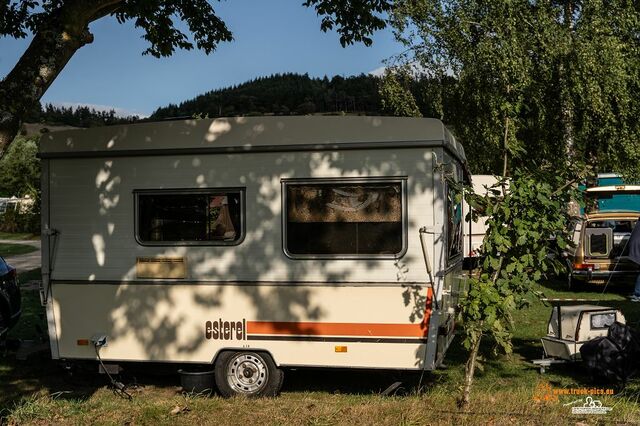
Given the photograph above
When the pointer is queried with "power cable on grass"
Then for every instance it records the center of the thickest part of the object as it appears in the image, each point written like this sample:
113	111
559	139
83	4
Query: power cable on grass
118	388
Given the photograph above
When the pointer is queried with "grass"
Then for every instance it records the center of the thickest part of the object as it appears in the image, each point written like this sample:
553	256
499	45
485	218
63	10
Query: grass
39	392
8	249
18	236
32	322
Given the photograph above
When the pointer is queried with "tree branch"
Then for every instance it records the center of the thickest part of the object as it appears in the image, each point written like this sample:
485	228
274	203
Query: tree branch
506	136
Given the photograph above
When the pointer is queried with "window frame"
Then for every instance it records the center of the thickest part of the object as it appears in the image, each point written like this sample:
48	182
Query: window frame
189	191
593	314
457	257
402	180
608	234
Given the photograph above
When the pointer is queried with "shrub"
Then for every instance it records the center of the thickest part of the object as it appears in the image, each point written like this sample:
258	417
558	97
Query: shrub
15	221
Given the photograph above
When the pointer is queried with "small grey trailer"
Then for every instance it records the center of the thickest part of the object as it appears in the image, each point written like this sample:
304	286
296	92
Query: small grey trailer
570	327
253	244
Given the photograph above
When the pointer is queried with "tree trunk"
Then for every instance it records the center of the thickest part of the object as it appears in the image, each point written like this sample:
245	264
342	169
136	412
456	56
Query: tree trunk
9	127
53	45
469	370
506	148
38	67
566	104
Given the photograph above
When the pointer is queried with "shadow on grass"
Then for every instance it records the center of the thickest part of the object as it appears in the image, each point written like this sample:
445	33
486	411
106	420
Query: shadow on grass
40	376
529	349
21	380
356	382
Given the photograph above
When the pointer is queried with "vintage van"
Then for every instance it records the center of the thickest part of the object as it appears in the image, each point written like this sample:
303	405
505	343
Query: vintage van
601	234
601	248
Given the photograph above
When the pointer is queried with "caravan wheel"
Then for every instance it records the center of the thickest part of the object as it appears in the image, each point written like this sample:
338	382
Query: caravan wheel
247	373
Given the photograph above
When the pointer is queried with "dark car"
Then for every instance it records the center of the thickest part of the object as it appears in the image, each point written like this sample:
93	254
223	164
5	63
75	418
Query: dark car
10	299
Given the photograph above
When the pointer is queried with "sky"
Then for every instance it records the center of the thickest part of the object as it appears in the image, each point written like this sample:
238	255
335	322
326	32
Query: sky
272	36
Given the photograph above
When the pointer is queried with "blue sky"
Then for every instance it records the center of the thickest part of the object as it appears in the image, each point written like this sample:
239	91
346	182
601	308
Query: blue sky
270	37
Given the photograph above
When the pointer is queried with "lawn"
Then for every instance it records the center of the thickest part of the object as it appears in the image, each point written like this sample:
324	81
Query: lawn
40	392
18	236
9	249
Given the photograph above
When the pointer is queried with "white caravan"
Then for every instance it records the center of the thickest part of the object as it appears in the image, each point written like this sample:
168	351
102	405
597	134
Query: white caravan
475	231
253	244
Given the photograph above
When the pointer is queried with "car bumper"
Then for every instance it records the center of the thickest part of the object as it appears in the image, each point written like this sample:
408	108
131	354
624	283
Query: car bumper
604	275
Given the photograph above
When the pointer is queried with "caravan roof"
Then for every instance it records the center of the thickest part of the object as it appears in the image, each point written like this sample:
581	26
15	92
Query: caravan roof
250	134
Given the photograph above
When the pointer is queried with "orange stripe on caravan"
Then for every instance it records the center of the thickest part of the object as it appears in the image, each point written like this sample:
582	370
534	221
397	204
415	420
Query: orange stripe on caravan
307	328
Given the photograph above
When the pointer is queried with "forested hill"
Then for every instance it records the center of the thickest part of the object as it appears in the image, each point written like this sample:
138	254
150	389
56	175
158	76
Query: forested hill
82	116
283	94
279	94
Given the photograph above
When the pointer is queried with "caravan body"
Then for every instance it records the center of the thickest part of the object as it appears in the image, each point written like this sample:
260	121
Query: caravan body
476	230
294	236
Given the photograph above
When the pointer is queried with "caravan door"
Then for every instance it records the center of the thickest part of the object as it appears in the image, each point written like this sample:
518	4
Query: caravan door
452	281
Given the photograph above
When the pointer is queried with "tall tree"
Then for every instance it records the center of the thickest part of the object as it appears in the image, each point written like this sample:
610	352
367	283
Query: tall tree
539	90
61	27
20	169
533	80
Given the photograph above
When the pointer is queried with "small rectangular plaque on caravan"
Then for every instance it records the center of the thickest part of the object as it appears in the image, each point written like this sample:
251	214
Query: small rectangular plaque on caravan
161	267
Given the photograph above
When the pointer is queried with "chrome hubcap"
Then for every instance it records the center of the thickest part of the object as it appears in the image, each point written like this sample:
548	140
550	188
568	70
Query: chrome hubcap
247	373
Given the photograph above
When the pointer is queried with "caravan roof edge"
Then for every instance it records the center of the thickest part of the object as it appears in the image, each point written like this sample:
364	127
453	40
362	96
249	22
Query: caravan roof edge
250	134
250	149
614	188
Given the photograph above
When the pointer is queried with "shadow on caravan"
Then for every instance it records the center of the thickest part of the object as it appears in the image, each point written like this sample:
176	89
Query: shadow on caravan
253	244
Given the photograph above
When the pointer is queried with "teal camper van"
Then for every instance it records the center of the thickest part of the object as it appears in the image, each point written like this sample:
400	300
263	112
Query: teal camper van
611	193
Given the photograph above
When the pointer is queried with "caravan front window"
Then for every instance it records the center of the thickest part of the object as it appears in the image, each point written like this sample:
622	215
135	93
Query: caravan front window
183	217
345	218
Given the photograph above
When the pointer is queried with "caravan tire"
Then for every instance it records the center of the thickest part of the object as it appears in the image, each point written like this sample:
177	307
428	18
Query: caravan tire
252	374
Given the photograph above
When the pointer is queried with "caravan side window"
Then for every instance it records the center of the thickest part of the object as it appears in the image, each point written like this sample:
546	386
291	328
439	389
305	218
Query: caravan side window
190	217
344	218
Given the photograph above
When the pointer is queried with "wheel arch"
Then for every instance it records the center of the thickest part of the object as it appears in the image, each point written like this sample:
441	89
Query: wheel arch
241	349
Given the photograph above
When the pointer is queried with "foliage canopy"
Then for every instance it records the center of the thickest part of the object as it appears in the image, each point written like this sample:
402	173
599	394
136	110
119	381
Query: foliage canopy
541	80
61	27
20	169
539	90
